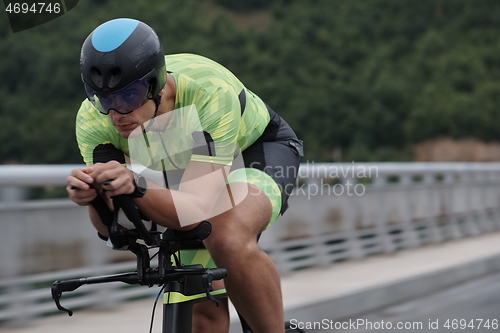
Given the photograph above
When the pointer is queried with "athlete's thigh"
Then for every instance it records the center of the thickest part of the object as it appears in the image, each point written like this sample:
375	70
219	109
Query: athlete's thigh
246	219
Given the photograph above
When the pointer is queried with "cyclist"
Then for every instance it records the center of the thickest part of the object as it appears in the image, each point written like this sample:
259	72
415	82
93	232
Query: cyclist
135	92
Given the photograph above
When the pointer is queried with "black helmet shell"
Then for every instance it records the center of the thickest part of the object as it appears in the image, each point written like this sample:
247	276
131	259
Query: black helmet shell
120	51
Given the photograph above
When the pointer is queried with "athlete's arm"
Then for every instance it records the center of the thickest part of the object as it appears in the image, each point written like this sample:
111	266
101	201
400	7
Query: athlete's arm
203	186
200	190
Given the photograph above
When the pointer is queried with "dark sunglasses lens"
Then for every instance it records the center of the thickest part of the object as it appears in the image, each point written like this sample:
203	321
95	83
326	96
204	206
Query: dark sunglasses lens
123	101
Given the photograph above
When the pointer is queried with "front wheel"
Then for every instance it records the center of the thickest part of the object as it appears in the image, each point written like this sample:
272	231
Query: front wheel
288	328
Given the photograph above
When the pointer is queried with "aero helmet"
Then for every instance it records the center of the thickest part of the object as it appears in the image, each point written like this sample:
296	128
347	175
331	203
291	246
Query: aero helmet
118	54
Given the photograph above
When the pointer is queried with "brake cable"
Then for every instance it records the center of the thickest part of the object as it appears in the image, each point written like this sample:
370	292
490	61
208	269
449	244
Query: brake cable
154	309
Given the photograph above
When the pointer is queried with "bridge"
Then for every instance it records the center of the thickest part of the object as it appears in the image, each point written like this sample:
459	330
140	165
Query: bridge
356	238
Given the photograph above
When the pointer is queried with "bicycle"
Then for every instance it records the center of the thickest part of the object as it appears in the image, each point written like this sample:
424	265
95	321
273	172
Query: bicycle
182	286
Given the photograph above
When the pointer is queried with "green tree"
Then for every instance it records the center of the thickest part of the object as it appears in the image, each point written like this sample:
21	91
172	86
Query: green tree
371	77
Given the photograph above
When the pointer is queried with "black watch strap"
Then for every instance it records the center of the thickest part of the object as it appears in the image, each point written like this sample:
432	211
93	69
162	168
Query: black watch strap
140	186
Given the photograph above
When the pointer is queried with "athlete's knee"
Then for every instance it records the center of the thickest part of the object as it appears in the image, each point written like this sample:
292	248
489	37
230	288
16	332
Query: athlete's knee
227	242
228	248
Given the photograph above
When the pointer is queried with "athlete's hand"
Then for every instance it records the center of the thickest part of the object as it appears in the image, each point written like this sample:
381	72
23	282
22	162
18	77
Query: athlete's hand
79	186
113	178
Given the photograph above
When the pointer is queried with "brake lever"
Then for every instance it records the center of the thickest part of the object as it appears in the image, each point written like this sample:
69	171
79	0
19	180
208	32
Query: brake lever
57	294
60	307
207	279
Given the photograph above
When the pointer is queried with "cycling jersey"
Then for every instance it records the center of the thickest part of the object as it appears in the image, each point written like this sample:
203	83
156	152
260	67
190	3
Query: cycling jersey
229	113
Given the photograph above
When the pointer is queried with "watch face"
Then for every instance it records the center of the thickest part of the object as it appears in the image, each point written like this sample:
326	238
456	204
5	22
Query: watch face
141	183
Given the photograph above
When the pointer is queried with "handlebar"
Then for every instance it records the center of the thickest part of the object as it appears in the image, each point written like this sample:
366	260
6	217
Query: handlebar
218	273
151	278
59	287
168	243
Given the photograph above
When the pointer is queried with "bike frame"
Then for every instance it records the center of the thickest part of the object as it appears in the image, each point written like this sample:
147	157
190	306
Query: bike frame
178	307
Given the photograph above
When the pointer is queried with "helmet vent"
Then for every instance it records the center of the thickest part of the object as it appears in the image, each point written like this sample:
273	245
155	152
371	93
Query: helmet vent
115	76
96	76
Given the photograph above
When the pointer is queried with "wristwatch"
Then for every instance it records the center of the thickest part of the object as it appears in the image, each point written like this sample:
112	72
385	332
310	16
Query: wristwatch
140	186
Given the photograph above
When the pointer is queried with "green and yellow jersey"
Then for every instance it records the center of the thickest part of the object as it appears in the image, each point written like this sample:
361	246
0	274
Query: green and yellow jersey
226	113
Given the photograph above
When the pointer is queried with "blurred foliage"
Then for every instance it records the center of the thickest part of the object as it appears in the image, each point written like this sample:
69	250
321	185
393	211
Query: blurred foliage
368	77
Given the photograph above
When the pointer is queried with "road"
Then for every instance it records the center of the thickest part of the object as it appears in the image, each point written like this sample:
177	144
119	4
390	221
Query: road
464	307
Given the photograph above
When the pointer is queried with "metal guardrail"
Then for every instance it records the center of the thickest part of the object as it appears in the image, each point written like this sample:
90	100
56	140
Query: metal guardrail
397	206
48	174
35	174
402	205
328	249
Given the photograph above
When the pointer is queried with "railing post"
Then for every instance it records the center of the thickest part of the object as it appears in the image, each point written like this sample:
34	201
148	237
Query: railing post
13	227
277	251
316	223
452	219
482	183
12	193
18	307
352	233
470	221
107	295
409	234
495	192
387	245
432	207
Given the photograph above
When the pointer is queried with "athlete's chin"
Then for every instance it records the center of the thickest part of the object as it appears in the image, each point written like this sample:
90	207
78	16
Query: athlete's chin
124	134
127	130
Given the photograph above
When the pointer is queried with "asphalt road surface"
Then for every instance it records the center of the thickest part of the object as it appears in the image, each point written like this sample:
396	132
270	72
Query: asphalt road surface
473	306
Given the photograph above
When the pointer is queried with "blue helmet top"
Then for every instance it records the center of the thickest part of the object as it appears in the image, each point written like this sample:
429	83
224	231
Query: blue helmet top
119	52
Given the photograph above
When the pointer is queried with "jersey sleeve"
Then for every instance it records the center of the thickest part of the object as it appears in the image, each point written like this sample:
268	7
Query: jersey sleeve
220	118
95	137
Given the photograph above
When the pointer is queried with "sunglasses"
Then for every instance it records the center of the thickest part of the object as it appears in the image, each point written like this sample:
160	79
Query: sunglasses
123	101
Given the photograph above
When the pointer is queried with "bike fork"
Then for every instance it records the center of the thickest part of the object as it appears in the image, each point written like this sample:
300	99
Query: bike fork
177	317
